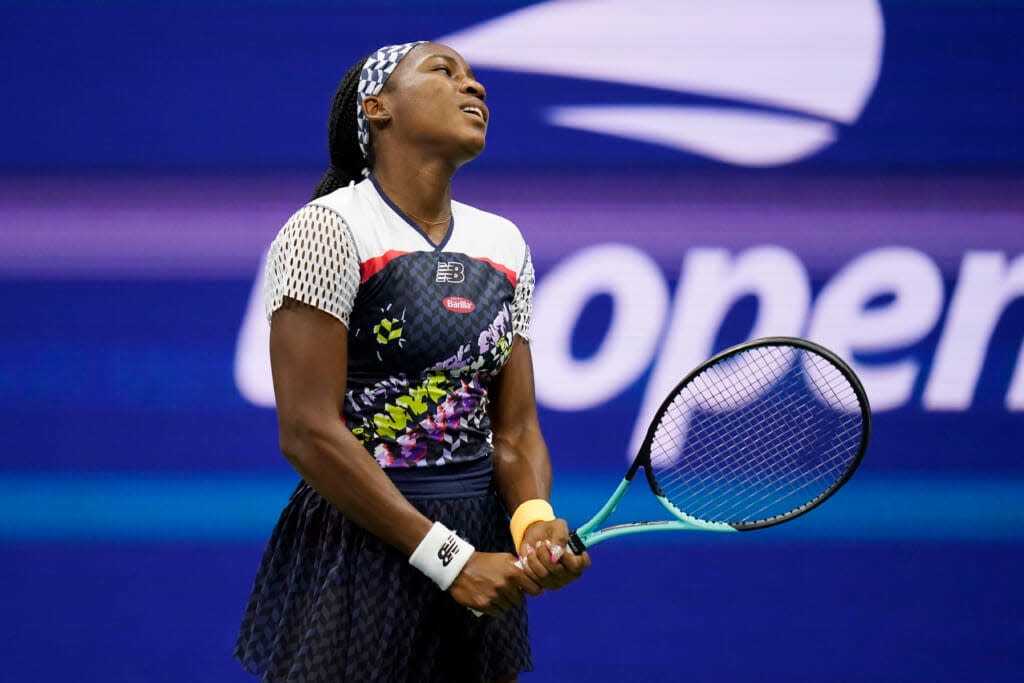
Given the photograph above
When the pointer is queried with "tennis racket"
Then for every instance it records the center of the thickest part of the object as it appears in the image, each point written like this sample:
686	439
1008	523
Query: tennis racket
755	436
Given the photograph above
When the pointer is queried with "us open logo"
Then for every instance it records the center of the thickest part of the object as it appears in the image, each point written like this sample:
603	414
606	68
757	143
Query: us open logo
754	84
458	304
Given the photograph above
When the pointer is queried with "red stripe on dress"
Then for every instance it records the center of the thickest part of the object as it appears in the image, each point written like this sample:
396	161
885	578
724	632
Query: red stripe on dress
371	267
510	274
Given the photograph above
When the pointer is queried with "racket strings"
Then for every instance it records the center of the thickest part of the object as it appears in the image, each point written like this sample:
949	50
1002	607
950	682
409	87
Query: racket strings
677	429
757	436
767	478
824	477
771	479
795	497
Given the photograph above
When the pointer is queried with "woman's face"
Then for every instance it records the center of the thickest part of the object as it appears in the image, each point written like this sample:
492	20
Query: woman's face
434	103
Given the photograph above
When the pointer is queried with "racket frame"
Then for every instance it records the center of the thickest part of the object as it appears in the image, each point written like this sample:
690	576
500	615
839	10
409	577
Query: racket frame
586	535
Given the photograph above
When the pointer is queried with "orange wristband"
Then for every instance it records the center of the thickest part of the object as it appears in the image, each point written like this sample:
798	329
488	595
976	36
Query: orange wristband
534	510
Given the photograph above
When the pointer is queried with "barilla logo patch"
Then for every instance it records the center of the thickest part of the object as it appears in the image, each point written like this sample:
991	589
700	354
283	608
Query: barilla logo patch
458	304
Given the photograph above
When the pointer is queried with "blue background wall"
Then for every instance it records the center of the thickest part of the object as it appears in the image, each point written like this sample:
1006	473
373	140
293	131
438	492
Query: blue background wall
149	151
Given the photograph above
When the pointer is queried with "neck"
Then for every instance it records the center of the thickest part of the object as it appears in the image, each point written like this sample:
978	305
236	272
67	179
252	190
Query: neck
421	188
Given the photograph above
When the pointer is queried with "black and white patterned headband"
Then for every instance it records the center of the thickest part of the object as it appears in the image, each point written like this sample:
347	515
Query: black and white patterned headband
374	75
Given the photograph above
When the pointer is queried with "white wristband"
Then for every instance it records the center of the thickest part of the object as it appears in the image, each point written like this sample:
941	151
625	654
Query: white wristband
441	555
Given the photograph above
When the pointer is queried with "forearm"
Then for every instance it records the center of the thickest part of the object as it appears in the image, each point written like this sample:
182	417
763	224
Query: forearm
522	467
337	467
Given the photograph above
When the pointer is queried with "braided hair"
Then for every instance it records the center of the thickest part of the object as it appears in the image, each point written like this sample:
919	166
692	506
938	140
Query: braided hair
347	160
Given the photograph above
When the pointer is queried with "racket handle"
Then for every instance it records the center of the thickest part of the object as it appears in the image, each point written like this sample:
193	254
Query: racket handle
556	552
576	545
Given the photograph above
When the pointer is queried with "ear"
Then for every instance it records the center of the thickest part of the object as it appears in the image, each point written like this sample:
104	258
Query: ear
376	110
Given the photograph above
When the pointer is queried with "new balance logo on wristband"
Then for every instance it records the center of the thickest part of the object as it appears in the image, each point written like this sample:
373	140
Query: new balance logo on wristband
441	555
448	550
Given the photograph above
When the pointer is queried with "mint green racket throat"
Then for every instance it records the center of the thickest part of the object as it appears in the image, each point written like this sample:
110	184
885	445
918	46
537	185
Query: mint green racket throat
588	534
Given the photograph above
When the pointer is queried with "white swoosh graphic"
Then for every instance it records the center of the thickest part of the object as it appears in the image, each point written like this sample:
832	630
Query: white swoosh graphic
814	56
746	138
818	58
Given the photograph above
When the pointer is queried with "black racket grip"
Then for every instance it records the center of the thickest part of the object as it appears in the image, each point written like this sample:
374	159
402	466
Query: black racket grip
577	546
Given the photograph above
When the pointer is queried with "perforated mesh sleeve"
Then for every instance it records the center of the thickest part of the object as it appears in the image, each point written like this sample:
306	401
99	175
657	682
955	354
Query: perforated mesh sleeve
313	260
522	304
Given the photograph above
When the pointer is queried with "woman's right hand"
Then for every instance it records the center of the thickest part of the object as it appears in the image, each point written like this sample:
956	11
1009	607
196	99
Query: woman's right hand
491	583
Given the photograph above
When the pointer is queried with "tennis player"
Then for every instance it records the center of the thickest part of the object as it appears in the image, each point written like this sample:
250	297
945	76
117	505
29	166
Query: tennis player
407	314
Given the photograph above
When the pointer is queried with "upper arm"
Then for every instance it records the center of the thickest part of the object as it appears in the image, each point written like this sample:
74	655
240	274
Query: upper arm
311	282
514	404
309	360
513	407
522	465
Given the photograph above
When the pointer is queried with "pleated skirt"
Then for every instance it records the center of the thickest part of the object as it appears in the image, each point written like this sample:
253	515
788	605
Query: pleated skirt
332	602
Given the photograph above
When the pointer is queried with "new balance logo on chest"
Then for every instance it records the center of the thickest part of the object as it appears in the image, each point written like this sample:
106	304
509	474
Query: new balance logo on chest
450	271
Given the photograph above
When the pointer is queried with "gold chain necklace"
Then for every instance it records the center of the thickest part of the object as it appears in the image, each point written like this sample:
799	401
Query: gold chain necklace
422	220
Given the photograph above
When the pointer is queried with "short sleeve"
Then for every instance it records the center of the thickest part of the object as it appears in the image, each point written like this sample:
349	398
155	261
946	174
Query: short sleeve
522	302
313	260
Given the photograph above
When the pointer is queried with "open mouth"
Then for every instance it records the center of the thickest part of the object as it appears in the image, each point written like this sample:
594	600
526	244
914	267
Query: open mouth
474	111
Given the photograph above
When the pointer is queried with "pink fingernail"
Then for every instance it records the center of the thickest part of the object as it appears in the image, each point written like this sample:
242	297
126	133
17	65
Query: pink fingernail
554	558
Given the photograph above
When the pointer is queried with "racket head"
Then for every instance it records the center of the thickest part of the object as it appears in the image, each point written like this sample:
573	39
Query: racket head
757	435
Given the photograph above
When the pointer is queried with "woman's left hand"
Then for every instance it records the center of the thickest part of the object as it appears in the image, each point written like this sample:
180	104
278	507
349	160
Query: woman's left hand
546	555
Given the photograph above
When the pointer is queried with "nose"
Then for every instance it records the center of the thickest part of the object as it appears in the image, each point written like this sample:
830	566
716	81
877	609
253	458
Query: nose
474	87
